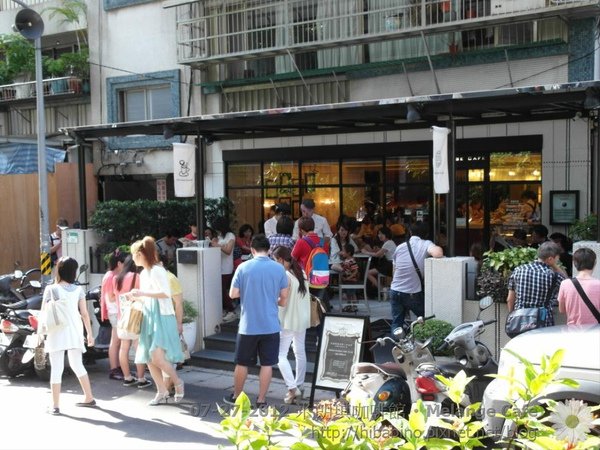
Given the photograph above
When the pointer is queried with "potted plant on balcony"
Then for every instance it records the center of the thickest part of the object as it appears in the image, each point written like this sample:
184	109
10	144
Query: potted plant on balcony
56	69
78	67
20	62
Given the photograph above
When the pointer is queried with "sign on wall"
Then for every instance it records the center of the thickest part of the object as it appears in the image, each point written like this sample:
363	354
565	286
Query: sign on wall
184	169
564	207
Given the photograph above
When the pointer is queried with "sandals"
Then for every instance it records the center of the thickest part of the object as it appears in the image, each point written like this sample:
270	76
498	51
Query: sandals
291	397
159	399
179	395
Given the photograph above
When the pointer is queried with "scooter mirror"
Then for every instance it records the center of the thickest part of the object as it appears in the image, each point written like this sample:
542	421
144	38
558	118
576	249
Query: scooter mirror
35	284
486	302
398	332
18	274
83	268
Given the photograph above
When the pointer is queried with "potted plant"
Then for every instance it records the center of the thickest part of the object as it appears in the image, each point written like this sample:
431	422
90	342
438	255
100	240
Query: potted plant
190	314
20	62
585	229
56	69
78	67
496	269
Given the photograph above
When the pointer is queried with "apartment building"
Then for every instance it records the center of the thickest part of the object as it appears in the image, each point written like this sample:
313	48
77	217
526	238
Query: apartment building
153	62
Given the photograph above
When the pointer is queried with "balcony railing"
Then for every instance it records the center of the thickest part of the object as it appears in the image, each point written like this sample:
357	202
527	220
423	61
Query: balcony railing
218	31
6	5
51	86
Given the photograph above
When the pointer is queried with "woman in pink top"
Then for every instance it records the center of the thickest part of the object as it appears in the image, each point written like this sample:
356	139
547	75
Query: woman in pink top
124	282
109	310
569	300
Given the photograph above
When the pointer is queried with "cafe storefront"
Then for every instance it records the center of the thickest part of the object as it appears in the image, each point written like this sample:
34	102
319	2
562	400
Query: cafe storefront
491	175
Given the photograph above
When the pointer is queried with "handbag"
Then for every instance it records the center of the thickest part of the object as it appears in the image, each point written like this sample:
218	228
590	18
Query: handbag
134	323
53	315
124	320
316	310
525	319
586	299
184	348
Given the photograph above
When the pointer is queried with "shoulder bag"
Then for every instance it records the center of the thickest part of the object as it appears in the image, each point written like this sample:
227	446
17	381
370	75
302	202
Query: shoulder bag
526	319
586	299
53	314
414	261
316	310
123	323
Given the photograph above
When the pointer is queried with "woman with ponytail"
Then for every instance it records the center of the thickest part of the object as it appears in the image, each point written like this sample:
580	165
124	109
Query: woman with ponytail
294	319
159	345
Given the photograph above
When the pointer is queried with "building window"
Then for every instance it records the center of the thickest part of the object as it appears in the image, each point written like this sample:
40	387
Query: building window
148	96
145	103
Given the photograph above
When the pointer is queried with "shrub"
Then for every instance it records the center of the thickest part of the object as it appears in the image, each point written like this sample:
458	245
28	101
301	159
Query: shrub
585	229
437	330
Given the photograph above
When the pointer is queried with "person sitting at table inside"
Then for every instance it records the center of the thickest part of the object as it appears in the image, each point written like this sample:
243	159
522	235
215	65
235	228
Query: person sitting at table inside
339	241
385	254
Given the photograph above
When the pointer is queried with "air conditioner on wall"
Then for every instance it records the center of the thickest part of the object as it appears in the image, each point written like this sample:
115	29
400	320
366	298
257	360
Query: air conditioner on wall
510	6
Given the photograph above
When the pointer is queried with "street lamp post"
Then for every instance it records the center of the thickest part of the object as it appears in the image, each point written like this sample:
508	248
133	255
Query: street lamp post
31	26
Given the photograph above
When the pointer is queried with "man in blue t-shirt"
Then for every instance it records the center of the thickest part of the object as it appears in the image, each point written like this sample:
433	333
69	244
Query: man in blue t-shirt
262	285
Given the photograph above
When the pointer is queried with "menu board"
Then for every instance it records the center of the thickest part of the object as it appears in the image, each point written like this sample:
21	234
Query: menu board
339	348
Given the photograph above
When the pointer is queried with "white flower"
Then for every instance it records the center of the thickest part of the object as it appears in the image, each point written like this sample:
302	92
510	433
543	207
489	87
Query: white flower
572	420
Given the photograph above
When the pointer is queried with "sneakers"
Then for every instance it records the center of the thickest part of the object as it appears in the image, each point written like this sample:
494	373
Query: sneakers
131	382
143	383
116	374
230	316
229	399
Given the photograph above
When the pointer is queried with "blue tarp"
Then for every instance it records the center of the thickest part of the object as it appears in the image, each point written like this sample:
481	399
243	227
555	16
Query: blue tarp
22	158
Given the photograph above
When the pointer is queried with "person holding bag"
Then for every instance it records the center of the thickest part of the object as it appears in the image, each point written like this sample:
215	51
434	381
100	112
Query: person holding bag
294	319
127	280
159	345
69	336
579	297
534	286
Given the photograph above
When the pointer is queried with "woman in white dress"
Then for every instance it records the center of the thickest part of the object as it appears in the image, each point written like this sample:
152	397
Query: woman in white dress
294	319
70	337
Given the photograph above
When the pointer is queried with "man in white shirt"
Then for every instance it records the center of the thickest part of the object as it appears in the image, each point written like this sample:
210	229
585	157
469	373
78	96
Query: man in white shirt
321	226
281	209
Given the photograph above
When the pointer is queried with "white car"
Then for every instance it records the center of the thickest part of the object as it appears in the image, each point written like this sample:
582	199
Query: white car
581	363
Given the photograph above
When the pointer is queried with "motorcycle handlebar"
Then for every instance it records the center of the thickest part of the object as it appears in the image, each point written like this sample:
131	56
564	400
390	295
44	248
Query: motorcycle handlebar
429	317
442	347
489	322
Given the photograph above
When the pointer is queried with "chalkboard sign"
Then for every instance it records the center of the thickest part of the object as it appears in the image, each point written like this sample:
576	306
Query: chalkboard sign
339	348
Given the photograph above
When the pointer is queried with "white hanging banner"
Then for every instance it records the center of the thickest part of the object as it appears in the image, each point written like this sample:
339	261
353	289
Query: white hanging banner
441	182
184	169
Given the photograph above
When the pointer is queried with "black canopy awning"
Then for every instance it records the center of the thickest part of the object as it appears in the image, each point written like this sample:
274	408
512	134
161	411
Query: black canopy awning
520	104
524	104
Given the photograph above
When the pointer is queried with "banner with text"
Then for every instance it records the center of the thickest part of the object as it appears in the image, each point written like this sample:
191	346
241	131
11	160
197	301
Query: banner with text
184	169
441	183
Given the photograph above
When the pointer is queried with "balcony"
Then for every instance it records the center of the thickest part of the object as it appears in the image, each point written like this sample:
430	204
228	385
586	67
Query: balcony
222	32
52	87
7	5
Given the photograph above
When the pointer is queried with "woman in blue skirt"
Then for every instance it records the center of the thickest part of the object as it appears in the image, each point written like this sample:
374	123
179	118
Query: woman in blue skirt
159	345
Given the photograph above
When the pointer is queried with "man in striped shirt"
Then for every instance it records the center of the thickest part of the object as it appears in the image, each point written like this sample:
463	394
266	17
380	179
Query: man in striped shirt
529	284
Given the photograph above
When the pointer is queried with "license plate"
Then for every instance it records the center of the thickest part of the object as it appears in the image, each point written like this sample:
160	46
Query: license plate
31	341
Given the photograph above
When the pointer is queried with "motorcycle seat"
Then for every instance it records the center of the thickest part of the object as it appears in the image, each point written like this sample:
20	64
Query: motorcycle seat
21	304
391	368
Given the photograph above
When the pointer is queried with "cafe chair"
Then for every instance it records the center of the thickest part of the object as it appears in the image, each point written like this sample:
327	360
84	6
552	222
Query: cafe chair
363	264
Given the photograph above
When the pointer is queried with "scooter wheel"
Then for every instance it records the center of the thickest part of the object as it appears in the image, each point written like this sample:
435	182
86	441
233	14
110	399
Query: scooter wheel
10	363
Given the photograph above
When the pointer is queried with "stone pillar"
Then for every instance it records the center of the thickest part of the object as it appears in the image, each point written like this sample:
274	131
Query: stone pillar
199	271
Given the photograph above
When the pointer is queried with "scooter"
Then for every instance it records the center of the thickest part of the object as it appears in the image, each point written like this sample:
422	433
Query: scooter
471	356
15	329
391	385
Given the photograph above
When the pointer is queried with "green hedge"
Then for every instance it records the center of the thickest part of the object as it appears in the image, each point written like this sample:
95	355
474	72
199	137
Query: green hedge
123	222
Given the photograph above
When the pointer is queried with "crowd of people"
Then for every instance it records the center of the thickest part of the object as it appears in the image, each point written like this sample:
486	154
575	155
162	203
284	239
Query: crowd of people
266	285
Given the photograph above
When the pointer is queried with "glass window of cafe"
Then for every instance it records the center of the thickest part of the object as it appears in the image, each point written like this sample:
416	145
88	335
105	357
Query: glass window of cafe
496	194
399	186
